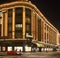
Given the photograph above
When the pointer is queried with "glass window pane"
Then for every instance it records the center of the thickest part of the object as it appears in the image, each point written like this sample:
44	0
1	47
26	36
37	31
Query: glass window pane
0	17
9	48
18	48
28	27
10	23
0	29
39	29
3	48
10	34
18	34
18	22
0	14
28	21
0	48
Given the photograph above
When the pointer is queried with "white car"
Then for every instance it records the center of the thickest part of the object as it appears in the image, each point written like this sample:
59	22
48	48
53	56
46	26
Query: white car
18	53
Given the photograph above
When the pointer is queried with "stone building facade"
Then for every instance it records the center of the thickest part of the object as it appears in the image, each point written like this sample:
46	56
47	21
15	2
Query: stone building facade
21	22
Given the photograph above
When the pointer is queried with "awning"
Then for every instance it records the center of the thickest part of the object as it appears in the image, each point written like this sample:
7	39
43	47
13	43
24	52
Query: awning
39	45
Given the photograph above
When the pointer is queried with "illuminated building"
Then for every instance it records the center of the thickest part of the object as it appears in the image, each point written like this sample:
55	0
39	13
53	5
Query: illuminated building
21	19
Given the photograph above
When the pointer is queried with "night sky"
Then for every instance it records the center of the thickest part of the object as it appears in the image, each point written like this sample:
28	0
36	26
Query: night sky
50	9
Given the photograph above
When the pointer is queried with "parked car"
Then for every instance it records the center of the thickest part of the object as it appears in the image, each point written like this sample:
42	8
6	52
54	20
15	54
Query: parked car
18	53
14	53
10	52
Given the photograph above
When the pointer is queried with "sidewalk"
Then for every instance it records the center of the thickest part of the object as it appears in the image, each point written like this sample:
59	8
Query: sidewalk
33	53
41	53
3	53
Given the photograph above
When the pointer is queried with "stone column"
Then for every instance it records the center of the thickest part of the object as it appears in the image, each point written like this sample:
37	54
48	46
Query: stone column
3	23
13	24
6	24
24	22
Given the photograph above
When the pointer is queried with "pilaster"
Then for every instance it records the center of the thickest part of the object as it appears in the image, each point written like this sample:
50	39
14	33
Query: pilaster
24	22
13	24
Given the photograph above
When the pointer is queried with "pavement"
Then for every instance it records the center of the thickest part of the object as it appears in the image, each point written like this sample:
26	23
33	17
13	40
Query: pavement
33	55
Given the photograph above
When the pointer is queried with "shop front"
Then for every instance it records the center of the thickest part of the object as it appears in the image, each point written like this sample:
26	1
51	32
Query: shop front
40	47
17	45
50	47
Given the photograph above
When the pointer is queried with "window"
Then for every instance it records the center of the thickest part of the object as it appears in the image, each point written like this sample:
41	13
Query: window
9	48
0	22
18	34
0	29
0	17
18	48
10	28
28	21
3	48
19	25
10	23
27	48
39	29
28	27
0	48
18	22
0	14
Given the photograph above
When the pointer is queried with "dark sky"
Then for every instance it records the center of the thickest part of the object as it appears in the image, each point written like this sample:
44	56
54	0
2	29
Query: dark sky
50	9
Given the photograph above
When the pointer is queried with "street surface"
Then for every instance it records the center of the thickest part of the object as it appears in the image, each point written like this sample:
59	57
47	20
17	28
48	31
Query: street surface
34	55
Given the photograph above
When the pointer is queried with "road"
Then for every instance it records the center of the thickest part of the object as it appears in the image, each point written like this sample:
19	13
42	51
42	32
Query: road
35	55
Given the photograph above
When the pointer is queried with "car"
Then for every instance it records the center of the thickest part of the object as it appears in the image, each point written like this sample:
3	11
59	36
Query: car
14	53
18	53
10	52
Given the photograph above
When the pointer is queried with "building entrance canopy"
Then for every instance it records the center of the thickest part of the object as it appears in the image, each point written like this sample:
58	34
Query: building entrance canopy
39	44
42	44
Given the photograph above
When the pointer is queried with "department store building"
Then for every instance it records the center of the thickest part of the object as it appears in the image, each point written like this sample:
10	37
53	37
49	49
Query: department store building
23	26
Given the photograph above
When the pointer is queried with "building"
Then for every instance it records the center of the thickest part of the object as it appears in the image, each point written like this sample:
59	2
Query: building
22	25
58	42
59	38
